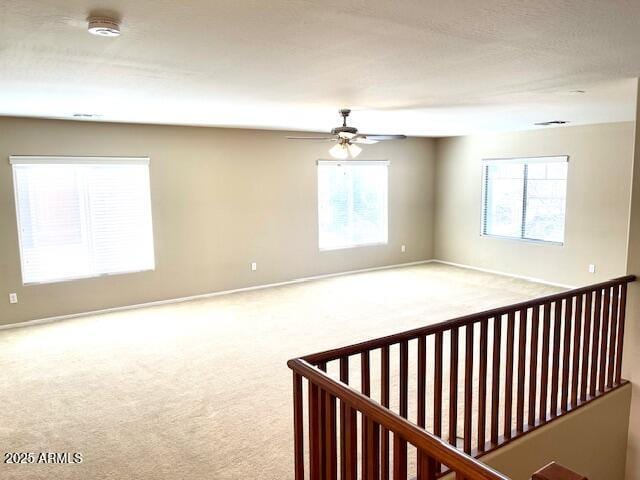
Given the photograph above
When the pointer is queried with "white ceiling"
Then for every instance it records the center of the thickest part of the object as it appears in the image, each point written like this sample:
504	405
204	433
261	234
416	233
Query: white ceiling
413	66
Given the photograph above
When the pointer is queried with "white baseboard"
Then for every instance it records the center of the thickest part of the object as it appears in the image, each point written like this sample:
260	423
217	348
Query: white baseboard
41	321
505	274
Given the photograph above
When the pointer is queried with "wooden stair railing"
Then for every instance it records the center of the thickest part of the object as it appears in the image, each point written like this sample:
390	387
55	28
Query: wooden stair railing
323	392
455	390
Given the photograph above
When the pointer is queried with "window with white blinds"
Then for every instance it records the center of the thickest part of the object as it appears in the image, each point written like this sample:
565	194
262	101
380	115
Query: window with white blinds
352	203
82	217
525	198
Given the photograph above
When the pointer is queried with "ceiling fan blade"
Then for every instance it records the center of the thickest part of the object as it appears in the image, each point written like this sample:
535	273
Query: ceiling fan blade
385	137
363	140
317	139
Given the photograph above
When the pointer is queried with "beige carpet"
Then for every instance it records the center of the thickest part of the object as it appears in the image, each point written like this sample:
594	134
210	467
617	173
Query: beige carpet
200	390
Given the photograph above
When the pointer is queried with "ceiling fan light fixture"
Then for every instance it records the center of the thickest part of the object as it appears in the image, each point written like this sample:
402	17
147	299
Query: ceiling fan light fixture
339	151
343	151
354	150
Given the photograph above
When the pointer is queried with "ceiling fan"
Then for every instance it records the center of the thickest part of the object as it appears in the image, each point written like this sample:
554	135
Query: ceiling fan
347	138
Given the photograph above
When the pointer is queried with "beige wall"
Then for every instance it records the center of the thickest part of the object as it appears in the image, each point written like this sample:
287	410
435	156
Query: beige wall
591	441
631	361
597	203
221	199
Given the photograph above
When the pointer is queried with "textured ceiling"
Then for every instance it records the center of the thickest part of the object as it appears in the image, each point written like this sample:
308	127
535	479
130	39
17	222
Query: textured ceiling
413	66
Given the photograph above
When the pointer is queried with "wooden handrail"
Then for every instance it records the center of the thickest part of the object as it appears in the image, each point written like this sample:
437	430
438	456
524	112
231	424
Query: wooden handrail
433	446
336	353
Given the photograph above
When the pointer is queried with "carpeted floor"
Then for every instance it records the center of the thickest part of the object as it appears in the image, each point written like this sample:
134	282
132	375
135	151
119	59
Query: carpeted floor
200	390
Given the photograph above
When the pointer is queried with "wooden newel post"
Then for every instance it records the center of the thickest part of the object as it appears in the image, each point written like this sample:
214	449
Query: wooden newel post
555	471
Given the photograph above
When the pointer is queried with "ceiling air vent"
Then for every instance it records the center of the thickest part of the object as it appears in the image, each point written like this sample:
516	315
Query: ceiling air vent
552	122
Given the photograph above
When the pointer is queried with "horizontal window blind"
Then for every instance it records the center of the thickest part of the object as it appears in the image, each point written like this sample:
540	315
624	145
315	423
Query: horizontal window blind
525	160
81	217
352	203
525	198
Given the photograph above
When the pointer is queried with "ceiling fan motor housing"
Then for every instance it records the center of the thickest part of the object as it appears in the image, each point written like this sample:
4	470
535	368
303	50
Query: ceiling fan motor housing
344	129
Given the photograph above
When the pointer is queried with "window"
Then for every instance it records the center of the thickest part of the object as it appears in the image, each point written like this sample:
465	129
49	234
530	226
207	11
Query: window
82	216
525	198
352	203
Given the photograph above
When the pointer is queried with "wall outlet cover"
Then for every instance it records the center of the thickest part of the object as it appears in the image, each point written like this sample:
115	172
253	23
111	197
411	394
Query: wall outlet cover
13	298
254	266
592	268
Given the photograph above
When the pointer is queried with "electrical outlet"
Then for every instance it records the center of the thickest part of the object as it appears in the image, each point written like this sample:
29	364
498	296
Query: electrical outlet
13	298
592	268
403	249
254	266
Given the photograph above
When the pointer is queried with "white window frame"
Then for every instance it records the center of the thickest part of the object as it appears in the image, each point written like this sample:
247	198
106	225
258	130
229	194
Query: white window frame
520	160
356	163
75	160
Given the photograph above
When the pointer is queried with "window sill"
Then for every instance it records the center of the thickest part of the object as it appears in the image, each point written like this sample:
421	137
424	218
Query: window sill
524	240
85	277
346	247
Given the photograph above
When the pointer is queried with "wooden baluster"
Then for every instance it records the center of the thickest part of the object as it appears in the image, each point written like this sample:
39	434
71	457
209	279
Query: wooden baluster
453	388
482	385
508	376
365	374
404	405
621	320
314	434
322	408
351	439
544	361
586	340
522	351
437	388
422	390
604	339
566	354
613	336
577	337
298	429
595	344
331	455
426	467
384	394
555	368
468	386
344	419
422	380
404	378
533	364
495	378
399	457
373	447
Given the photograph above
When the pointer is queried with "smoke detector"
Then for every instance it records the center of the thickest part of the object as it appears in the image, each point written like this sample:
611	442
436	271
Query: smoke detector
104	27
